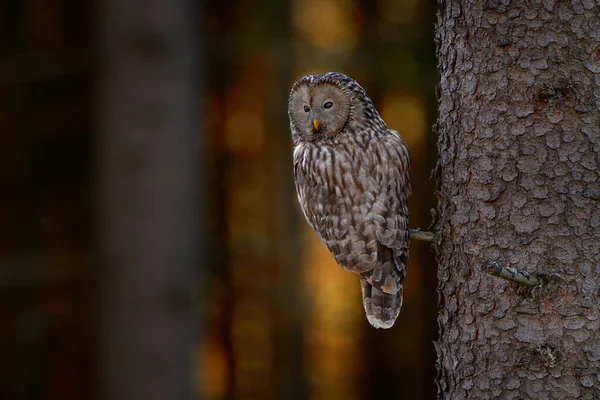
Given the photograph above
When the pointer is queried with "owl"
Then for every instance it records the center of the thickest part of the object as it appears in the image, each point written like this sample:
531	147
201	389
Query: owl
351	175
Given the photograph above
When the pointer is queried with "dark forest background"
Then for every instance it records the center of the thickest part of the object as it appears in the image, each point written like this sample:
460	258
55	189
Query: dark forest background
279	318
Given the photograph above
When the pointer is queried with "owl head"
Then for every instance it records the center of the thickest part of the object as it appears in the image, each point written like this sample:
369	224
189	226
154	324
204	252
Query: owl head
323	106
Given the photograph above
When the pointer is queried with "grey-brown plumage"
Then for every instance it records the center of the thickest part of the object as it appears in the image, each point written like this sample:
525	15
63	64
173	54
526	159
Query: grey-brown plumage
351	175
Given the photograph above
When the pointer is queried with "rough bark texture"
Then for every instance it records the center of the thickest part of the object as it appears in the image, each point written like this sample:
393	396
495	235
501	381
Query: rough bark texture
518	171
147	199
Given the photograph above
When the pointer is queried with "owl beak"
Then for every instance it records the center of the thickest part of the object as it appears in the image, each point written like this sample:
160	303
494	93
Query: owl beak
316	124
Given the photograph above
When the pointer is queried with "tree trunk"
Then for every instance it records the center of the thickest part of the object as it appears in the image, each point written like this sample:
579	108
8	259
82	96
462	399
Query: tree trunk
519	184
147	199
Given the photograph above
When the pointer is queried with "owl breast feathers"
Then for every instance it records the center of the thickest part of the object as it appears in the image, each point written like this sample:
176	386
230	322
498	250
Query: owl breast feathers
352	181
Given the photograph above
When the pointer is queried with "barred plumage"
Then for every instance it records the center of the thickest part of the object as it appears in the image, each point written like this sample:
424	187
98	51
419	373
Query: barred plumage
351	175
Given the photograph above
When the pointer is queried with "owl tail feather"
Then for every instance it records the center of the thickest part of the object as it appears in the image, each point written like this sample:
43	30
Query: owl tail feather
381	308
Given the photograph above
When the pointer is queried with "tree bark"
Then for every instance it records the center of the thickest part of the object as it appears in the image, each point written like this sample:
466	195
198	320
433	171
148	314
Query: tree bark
519	184
147	199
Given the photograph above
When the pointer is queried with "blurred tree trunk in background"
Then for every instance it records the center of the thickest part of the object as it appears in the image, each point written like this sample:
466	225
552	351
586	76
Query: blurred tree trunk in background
518	173
289	306
398	94
218	377
255	313
147	198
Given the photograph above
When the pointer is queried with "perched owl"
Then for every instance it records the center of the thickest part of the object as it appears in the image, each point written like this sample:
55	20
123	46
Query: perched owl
351	175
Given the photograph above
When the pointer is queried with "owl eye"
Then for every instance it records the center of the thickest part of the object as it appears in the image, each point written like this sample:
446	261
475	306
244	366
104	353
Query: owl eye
329	104
306	109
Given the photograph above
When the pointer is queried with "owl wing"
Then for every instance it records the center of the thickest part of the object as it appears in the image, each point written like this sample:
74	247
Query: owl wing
355	197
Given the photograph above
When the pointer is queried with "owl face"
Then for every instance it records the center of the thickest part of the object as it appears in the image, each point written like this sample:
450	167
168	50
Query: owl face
319	110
